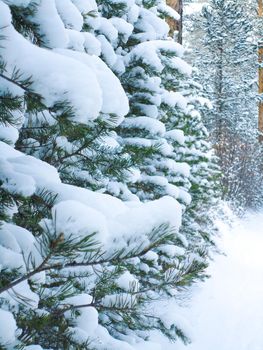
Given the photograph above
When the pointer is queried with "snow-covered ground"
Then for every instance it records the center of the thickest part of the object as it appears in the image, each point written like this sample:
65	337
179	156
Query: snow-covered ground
227	311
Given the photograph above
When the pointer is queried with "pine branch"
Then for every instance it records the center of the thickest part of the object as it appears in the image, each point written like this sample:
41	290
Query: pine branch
15	83
30	274
114	259
95	305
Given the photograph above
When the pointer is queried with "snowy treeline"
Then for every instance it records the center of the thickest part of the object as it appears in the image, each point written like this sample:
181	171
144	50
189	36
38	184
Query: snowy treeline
107	181
225	35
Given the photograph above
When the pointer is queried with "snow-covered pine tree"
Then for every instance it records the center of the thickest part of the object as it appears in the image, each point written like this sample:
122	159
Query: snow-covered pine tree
234	20
86	154
163	132
227	41
81	270
198	220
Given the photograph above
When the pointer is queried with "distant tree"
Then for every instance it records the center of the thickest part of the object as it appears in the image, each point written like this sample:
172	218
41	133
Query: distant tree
225	35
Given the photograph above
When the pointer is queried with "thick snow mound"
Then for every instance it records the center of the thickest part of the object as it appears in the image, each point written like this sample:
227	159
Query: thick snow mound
227	311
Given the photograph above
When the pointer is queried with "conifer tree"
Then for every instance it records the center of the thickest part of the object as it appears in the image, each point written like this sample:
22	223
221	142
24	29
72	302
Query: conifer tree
85	154
164	118
82	269
227	40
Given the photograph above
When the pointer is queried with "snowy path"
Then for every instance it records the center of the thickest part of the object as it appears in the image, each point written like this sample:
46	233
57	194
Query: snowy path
227	313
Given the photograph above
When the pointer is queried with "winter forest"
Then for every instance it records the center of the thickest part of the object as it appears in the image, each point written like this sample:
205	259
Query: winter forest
131	174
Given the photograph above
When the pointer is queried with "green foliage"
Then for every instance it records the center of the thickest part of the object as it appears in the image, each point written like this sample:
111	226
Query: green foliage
22	21
163	261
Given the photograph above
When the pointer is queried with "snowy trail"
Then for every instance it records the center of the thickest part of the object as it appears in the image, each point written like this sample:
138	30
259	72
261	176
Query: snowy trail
227	313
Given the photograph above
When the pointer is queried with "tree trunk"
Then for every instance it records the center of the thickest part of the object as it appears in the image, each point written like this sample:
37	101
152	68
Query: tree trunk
260	75
176	26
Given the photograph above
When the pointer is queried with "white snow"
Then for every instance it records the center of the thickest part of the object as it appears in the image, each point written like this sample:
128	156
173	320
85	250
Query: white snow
108	216
108	30
85	6
173	99
9	134
77	220
5	18
15	182
194	8
22	3
50	24
176	135
7	328
113	95
148	52
154	127
124	28
61	74
69	14
92	45
126	281
180	65
226	312
81	79
10	259
87	321
16	238
170	11
152	26
107	51
76	40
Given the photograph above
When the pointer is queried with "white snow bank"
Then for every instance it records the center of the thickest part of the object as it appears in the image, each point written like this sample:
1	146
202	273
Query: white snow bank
226	312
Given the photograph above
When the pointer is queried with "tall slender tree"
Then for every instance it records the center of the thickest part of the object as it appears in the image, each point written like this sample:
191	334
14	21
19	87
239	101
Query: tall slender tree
228	72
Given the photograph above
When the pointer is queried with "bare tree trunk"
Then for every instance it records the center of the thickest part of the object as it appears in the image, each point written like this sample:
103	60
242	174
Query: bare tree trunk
260	75
219	83
177	26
